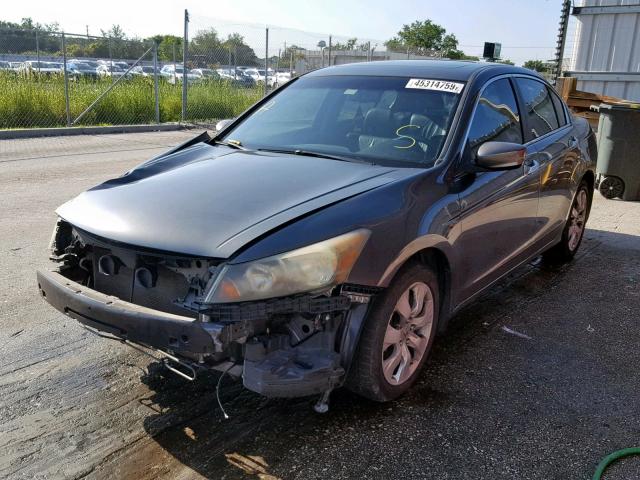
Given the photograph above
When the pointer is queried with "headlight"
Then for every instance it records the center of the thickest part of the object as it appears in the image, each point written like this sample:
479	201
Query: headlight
306	269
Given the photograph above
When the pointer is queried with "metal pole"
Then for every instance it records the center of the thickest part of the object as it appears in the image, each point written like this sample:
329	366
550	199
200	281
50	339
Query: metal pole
322	57
266	60
184	64
329	62
38	50
66	81
562	38
155	80
111	60
291	65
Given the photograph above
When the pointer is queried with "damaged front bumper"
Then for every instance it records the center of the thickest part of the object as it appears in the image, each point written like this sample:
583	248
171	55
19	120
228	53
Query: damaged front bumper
126	320
271	364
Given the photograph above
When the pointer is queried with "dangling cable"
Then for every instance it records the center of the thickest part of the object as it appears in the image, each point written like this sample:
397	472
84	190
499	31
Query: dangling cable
226	417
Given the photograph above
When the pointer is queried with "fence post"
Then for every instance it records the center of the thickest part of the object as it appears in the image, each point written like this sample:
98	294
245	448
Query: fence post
66	81
155	80
235	62
174	63
38	50
184	64
111	61
329	62
266	61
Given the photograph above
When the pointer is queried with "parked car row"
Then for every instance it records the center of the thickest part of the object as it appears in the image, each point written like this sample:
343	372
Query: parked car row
172	73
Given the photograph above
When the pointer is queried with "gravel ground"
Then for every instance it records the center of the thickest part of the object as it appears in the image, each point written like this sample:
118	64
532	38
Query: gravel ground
490	404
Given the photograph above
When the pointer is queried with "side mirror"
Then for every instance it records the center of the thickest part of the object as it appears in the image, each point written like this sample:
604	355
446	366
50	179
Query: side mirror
500	155
222	124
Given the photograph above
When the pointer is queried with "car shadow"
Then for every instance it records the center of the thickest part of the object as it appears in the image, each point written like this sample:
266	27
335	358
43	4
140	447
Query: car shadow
188	425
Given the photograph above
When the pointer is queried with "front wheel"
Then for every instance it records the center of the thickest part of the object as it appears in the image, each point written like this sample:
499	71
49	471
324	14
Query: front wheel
574	228
397	336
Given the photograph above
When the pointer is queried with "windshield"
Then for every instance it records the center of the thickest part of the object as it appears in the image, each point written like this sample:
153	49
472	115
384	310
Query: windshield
384	120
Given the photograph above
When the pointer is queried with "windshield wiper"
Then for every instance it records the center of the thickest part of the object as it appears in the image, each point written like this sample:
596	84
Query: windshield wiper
231	143
308	153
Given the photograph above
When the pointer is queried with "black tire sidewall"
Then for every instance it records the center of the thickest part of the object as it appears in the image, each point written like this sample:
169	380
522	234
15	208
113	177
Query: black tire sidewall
566	252
376	325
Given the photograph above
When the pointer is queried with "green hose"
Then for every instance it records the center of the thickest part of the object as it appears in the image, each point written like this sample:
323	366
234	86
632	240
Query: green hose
612	457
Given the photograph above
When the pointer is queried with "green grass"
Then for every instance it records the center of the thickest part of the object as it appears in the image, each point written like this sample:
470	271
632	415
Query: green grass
28	102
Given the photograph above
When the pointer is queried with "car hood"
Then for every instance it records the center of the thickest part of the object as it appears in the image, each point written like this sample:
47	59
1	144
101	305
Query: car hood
211	200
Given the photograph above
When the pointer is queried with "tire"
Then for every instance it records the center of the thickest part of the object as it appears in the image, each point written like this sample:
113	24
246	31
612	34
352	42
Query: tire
389	338
611	187
573	232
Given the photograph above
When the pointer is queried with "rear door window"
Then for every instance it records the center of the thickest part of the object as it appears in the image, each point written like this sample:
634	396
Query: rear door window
538	108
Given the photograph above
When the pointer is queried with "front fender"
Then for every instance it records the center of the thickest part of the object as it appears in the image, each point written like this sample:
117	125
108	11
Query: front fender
416	246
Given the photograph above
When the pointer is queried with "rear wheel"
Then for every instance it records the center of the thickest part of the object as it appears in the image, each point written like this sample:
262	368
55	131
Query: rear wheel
574	228
397	336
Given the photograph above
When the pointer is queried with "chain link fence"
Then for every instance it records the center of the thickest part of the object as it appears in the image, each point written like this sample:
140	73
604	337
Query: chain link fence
56	79
241	62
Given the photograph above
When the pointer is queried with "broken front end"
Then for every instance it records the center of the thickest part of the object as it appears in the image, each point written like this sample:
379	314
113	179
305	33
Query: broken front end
288	324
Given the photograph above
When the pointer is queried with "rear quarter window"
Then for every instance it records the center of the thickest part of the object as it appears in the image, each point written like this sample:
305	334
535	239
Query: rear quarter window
560	111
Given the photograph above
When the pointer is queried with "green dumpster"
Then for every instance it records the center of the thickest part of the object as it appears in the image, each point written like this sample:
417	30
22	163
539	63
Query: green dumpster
619	151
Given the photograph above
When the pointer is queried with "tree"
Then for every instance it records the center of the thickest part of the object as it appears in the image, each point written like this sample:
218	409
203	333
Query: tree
420	37
169	47
21	37
241	53
349	45
425	38
206	40
537	65
505	61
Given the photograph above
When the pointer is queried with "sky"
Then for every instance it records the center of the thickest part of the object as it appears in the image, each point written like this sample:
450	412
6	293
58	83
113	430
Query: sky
526	29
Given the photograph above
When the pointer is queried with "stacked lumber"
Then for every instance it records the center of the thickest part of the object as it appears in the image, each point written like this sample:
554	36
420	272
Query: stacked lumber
580	102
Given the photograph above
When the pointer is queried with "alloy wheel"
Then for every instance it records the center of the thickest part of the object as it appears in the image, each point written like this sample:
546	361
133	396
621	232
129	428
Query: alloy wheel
408	333
577	219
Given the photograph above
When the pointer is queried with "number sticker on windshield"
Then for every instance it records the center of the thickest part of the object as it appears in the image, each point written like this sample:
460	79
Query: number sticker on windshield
439	85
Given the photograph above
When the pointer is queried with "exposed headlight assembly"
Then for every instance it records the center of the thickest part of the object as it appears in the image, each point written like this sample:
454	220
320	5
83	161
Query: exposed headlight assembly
312	268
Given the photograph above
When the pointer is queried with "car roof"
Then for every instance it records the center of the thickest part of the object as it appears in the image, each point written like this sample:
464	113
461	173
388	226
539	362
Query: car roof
455	70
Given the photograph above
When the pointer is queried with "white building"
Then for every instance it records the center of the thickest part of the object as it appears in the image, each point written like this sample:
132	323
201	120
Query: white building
606	48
